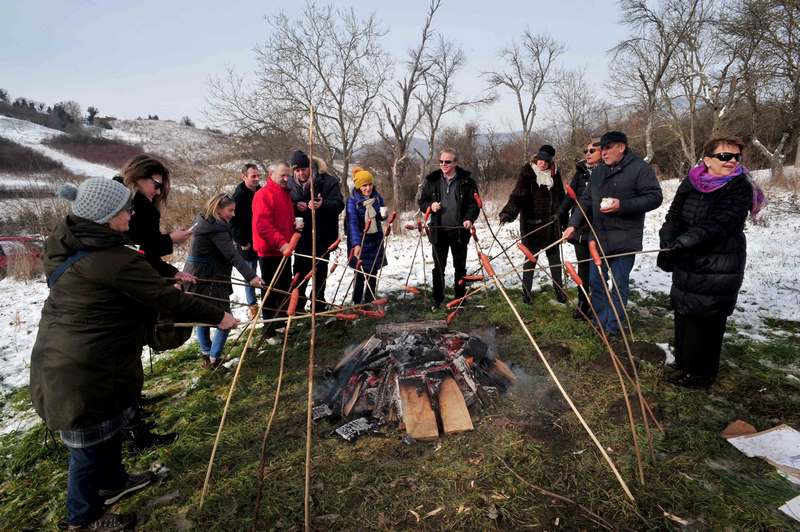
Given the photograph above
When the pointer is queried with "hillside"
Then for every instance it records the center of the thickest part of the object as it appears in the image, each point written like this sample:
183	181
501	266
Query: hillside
172	140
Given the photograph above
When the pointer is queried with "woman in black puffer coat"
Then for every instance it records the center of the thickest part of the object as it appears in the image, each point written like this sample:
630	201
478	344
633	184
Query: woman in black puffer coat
704	232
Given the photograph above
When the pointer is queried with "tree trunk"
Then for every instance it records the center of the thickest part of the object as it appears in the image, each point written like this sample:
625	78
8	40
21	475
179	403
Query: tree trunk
396	183
648	138
797	159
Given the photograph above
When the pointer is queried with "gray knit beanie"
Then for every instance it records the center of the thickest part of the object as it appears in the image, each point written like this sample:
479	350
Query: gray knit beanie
97	199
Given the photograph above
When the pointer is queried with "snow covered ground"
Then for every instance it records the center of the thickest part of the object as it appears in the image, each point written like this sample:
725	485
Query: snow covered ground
769	291
170	139
32	135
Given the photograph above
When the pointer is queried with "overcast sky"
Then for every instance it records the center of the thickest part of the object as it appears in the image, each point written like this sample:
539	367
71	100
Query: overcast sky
132	59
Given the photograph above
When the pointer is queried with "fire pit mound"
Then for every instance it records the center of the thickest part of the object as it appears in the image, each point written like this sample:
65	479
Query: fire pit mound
419	374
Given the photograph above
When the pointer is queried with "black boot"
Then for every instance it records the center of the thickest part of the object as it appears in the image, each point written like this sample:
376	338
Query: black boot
561	297
140	438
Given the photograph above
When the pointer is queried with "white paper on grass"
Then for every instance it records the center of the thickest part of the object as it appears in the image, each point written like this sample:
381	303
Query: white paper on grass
780	445
792	508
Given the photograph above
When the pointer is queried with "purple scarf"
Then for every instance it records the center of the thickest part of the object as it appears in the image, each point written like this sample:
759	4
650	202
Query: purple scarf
704	182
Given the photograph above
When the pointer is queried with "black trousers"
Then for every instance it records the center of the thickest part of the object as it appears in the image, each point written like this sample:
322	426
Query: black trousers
359	295
448	241
274	306
584	270
553	257
698	342
302	265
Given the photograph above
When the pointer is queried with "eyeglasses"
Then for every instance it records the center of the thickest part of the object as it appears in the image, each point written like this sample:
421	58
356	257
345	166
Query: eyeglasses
590	151
726	156
445	161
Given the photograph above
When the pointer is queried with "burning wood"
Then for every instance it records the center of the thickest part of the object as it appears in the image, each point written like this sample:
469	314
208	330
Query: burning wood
420	374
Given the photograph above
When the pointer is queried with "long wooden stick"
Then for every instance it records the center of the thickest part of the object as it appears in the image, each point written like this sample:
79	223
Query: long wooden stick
252	326
490	271
263	462
313	339
635	371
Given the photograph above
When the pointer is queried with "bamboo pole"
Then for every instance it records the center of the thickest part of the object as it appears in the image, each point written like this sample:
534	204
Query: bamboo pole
313	339
263	461
490	271
206	482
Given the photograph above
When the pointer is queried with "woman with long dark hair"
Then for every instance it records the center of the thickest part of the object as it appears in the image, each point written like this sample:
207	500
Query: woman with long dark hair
704	232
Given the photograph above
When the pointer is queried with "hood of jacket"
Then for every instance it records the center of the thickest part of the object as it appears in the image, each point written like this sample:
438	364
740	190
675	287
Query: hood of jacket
75	234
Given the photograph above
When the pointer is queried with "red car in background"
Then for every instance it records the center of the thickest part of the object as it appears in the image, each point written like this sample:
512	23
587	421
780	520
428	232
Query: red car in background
15	248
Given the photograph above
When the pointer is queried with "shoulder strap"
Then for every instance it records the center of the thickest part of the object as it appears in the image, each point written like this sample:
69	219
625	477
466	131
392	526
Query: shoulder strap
72	259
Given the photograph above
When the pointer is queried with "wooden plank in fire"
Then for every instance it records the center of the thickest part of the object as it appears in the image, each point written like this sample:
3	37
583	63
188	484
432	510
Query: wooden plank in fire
452	408
418	415
357	352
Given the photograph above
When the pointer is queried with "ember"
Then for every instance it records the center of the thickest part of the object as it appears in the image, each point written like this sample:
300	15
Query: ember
419	374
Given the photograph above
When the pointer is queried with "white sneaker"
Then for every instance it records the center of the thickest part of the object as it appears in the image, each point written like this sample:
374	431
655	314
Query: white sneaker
272	340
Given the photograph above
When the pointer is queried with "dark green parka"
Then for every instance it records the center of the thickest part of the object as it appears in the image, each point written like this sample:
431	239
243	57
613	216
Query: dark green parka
86	363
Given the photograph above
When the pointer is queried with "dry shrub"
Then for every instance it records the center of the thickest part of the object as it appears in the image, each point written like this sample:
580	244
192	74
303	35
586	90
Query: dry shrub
24	266
497	191
100	150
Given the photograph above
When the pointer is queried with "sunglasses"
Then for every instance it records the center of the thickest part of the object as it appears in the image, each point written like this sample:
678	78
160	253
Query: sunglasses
444	161
157	184
590	151
726	156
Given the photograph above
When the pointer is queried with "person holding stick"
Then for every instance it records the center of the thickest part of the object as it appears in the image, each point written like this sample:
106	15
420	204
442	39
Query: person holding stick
580	239
619	194
449	193
86	366
212	255
273	227
328	204
704	232
364	234
536	198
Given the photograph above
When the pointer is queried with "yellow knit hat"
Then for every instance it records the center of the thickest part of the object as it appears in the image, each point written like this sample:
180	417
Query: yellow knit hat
362	177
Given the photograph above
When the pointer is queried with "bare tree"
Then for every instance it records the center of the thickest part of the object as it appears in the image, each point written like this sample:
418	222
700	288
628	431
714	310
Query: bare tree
576	105
438	97
770	61
643	59
701	81
401	114
326	58
528	69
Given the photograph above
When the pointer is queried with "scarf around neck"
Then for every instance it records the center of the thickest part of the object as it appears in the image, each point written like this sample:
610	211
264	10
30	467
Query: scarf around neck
704	182
370	214
543	177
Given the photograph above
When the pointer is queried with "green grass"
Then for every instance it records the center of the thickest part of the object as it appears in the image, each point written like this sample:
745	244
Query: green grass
378	481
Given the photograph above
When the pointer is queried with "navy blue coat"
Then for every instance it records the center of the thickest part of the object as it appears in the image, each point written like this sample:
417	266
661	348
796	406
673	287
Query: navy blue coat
373	256
706	233
634	183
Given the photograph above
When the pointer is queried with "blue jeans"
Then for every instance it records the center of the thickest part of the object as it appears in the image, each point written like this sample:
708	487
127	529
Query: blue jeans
621	269
212	349
92	469
249	291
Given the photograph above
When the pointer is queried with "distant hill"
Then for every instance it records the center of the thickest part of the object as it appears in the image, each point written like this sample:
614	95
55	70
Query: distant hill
171	140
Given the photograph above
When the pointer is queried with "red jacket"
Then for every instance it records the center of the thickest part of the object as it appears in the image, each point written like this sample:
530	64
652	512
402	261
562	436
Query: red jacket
273	219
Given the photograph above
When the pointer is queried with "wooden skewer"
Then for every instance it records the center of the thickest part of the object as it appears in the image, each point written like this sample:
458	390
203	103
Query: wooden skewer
490	271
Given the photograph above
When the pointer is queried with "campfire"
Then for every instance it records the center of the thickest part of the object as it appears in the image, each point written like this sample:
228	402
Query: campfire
419	374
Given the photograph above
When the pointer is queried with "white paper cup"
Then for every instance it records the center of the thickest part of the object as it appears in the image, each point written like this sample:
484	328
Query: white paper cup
384	211
298	223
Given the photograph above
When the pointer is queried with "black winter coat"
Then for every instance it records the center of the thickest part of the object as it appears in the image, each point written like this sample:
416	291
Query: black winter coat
706	232
578	184
634	183
465	196
242	221
327	215
86	364
535	205
145	231
212	256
